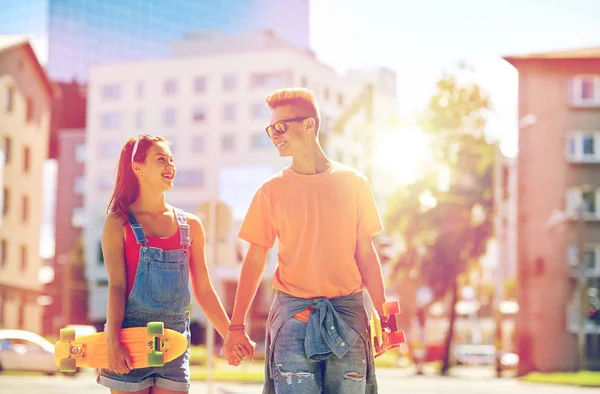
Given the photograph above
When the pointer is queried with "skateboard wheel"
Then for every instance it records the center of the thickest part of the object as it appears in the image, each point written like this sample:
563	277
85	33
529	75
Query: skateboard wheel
67	334
390	308
68	365
397	337
156	359
155	328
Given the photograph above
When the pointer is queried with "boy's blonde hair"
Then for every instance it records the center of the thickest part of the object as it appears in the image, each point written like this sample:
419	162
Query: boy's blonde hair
299	97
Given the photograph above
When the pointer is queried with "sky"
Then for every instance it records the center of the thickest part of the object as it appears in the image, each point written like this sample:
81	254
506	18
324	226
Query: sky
421	39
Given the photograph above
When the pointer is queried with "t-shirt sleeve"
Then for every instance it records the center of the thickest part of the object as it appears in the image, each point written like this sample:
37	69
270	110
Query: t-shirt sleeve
369	222
257	227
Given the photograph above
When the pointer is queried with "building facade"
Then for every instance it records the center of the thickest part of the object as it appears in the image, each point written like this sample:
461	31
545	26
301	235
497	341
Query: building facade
69	36
212	108
26	98
558	211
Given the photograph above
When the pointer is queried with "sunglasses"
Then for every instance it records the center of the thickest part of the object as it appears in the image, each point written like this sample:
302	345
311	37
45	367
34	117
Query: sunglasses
281	127
137	143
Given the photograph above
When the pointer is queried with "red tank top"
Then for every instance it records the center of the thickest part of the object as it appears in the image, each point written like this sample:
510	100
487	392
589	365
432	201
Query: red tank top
132	251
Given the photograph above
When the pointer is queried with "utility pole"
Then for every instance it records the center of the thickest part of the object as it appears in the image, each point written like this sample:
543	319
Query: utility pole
581	286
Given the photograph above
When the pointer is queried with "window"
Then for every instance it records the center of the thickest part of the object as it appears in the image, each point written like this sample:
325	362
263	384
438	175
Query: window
271	80
260	140
7	149
79	185
229	83
304	82
111	120
78	217
5	200
591	254
588	145
9	99
326	94
3	252
259	110
80	153
106	182
170	87
111	92
589	260
109	149
228	142
200	84
26	159
584	91
583	147
199	114
29	109
199	143
190	178
169	117
139	90
340	99
25	209
587	200
23	254
229	112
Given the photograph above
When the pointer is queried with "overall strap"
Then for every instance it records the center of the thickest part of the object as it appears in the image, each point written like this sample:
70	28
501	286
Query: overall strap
140	237
184	229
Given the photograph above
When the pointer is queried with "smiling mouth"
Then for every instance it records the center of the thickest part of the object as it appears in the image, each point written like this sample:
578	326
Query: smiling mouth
168	175
280	144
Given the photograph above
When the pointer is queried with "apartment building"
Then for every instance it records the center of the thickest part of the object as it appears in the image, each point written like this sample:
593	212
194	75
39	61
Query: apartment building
558	208
26	97
211	106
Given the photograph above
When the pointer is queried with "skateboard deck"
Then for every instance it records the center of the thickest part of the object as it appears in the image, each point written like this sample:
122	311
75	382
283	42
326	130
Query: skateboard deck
150	346
392	323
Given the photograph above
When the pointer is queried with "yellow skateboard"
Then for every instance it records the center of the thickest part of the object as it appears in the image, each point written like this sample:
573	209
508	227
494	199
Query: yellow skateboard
377	325
150	346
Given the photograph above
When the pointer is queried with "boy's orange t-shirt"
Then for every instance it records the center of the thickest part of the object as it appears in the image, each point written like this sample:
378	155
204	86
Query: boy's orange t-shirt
317	220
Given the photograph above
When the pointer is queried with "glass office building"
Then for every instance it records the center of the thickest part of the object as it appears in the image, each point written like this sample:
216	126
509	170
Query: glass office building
71	35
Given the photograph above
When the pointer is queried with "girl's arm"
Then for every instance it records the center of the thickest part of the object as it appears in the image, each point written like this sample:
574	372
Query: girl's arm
204	292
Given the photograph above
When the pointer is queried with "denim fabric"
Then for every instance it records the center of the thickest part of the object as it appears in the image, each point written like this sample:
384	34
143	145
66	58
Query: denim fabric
293	372
160	293
299	354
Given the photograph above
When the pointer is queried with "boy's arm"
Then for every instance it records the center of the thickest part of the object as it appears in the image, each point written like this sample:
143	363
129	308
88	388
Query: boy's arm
251	274
370	270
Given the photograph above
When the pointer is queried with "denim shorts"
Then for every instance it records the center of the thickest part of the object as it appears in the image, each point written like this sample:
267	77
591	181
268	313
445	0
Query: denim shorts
174	375
294	373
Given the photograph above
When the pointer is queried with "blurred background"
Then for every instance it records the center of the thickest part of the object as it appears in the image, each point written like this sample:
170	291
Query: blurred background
476	123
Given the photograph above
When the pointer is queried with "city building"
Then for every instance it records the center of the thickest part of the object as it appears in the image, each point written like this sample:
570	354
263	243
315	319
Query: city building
211	106
558	209
26	99
70	36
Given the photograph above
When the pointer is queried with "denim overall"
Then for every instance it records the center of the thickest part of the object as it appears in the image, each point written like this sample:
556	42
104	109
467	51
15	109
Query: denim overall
160	293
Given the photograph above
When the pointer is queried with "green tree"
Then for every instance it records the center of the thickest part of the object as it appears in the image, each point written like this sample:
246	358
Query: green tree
445	218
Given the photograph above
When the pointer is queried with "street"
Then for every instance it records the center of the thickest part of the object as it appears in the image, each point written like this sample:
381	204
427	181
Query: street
390	381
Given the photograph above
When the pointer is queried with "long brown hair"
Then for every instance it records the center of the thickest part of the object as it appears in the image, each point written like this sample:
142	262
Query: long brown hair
127	185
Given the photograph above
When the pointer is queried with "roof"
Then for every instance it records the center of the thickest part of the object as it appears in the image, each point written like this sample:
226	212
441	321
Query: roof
11	42
581	53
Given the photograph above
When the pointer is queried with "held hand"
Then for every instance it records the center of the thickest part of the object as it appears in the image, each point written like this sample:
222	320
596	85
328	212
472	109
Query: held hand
119	360
238	346
381	348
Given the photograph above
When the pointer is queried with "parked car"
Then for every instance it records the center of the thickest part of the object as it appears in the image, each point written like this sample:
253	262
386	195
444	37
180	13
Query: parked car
468	354
26	351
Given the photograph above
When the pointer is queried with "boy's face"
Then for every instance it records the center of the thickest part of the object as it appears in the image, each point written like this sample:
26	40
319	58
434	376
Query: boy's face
290	129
